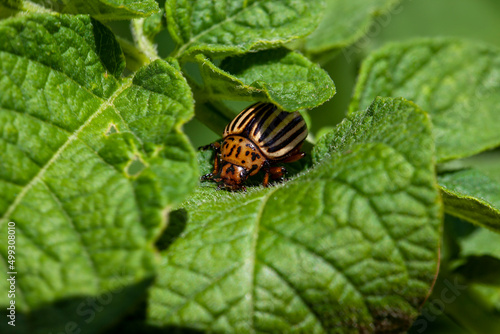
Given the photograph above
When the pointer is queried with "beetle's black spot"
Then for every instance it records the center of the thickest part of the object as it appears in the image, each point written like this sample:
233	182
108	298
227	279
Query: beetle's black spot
255	156
242	161
231	151
247	152
254	167
241	140
230	169
238	151
230	138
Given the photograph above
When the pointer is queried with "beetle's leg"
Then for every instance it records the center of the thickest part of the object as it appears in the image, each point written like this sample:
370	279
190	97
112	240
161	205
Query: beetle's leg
266	179
294	157
216	164
214	146
215	171
216	167
208	176
235	187
277	173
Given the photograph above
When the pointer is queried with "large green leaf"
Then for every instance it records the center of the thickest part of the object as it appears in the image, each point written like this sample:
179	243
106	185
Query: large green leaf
280	76
349	246
100	9
345	21
456	82
473	196
89	162
220	27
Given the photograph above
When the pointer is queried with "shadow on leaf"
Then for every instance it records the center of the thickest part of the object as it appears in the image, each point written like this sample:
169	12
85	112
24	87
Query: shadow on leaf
177	220
82	314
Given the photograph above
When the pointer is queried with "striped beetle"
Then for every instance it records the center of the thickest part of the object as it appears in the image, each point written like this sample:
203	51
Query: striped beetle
260	137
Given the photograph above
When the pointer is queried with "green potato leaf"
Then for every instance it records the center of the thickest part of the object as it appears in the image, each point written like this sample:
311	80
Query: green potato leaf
346	21
100	9
350	246
473	196
227	28
144	31
89	164
479	266
283	77
456	82
481	242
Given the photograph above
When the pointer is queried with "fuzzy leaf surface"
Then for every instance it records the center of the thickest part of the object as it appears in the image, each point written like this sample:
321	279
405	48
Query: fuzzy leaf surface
88	164
473	196
283	77
348	246
456	82
346	21
100	9
222	27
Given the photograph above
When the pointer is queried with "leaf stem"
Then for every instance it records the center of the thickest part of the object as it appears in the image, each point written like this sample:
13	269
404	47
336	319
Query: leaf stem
145	45
212	113
135	58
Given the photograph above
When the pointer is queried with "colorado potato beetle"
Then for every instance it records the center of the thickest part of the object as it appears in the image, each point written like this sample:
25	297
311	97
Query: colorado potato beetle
260	137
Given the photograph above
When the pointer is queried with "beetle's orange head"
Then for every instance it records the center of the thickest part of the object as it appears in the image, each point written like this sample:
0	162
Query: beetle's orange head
232	175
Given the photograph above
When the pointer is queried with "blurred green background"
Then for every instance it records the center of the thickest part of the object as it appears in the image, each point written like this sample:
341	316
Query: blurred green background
474	19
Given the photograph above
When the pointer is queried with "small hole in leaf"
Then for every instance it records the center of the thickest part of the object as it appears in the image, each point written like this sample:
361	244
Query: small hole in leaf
135	167
111	129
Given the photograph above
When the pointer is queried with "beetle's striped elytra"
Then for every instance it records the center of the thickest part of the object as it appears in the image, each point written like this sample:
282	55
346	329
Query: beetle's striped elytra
274	131
260	137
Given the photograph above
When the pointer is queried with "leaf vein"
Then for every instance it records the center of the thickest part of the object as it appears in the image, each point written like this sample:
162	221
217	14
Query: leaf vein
62	148
73	226
298	294
315	253
213	27
199	291
253	249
